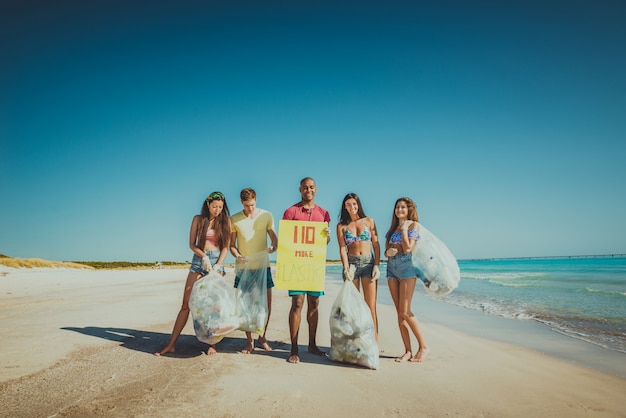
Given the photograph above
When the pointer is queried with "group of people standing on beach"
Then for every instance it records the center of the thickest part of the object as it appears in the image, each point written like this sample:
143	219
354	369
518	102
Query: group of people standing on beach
214	233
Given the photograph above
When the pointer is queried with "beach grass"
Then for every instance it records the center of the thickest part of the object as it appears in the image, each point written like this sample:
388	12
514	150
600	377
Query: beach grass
98	265
132	265
102	265
39	263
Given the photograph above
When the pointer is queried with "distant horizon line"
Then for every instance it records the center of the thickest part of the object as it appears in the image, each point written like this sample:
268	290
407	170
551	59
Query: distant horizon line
616	255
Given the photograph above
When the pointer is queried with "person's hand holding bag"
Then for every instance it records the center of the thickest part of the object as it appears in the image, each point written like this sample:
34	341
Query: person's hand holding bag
348	274
206	263
376	272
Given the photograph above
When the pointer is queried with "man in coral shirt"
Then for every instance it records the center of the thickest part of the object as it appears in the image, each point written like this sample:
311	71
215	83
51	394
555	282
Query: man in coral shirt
305	210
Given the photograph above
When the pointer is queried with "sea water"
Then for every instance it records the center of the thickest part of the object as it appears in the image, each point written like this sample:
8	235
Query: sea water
581	297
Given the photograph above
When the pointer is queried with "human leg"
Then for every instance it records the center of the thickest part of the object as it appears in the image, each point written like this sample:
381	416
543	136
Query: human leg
295	315
183	314
369	294
394	289
312	317
407	289
262	338
249	348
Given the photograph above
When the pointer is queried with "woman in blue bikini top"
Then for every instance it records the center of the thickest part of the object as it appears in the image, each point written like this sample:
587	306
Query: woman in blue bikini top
359	250
356	232
402	236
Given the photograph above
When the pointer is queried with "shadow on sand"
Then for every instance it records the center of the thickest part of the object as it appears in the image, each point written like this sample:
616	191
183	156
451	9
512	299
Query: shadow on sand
146	341
189	346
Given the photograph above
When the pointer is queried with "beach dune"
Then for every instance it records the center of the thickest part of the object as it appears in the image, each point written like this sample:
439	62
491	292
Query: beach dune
80	343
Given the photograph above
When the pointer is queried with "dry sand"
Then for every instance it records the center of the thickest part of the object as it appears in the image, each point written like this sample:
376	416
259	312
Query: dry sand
81	343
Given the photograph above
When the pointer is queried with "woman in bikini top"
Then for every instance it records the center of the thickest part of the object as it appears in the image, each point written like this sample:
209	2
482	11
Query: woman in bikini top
401	277
359	250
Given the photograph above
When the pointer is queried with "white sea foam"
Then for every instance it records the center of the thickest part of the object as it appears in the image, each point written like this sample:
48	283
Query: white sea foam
499	275
608	292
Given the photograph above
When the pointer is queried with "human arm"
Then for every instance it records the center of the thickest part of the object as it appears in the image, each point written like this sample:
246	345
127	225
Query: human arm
193	238
233	244
327	233
327	229
408	240
343	250
376	248
193	235
220	259
274	240
234	250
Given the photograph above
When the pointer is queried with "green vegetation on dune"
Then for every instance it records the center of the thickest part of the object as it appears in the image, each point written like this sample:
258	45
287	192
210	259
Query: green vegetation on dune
133	265
99	265
7	261
39	263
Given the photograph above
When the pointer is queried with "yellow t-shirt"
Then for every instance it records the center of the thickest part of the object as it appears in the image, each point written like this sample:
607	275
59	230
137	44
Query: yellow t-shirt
252	232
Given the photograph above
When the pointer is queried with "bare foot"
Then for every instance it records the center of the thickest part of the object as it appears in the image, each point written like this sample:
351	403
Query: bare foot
264	344
313	349
249	348
166	350
293	359
405	357
420	356
211	351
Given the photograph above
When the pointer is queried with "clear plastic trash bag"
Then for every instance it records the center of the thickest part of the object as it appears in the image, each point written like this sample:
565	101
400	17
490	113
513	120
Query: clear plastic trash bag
352	335
213	308
251	294
434	264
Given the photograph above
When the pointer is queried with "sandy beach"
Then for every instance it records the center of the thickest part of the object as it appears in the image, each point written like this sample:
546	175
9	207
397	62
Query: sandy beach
80	343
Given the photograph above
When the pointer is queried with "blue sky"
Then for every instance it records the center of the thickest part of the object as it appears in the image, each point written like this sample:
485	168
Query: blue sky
504	121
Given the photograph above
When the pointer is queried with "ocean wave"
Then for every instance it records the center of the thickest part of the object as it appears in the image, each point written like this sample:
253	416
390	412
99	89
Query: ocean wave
500	275
491	307
610	339
501	283
607	292
609	334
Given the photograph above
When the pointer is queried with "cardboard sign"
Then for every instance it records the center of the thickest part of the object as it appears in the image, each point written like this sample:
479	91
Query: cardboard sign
301	256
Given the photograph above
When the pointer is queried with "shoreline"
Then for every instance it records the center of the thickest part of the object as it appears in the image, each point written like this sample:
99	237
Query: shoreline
84	341
528	333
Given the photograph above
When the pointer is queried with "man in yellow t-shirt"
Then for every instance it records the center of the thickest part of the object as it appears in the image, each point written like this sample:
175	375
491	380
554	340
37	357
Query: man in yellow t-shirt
251	227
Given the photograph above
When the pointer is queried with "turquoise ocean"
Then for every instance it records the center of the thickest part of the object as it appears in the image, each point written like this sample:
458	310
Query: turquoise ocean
582	298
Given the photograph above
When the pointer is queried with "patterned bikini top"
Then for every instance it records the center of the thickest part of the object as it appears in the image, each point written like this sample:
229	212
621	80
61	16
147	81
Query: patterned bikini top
350	238
396	237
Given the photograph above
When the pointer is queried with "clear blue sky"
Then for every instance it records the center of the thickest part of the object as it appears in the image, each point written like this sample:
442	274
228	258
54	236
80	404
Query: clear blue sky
505	121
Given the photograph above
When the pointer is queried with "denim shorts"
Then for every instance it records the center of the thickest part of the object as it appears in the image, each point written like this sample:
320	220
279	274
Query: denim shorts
254	273
364	265
400	266
196	262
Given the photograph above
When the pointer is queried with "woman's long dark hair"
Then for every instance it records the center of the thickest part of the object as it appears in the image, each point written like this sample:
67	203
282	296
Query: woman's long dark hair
411	215
344	216
221	224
